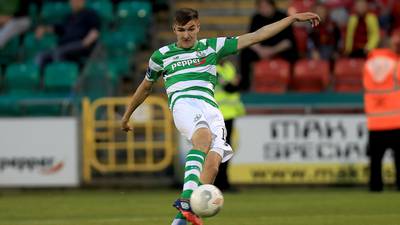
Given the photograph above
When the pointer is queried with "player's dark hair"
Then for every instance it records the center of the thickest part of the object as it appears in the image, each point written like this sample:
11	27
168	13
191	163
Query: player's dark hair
271	2
184	15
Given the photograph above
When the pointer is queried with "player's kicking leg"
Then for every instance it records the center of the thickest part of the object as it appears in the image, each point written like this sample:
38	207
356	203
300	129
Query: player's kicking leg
194	163
210	169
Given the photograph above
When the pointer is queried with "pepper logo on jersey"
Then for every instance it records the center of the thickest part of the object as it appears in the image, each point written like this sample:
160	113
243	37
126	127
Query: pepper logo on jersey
201	62
186	63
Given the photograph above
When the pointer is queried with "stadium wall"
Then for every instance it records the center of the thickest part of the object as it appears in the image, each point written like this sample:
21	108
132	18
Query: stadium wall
298	149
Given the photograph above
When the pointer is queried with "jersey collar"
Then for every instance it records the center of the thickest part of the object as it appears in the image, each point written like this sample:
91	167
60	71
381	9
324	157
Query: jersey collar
196	44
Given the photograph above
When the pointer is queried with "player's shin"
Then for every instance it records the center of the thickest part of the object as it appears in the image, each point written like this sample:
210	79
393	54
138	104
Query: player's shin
193	167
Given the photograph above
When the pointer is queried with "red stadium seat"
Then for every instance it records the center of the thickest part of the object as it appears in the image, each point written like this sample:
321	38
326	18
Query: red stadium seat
348	75
271	76
310	75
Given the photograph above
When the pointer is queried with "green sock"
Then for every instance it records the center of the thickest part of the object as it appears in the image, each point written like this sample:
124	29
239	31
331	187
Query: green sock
179	216
193	167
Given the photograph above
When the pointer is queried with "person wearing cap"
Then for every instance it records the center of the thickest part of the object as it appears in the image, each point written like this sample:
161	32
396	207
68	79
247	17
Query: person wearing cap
381	79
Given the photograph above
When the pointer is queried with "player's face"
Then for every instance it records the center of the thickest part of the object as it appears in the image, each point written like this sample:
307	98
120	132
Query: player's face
187	34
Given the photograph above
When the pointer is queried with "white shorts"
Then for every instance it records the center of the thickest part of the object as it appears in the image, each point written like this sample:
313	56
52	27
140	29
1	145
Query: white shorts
191	114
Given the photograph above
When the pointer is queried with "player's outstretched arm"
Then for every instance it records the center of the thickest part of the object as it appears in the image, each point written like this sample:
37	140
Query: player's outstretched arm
271	30
137	98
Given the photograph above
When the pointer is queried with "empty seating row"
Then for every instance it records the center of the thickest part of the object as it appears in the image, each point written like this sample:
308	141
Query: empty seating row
25	79
58	77
277	76
26	92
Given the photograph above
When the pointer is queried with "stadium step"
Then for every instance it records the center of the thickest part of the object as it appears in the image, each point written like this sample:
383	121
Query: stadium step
225	4
226	20
226	14
218	18
229	23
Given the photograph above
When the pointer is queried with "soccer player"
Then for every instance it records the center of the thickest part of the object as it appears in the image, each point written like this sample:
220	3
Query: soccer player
188	68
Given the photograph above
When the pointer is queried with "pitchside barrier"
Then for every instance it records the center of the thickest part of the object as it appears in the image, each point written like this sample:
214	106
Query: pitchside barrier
108	149
303	149
300	149
39	152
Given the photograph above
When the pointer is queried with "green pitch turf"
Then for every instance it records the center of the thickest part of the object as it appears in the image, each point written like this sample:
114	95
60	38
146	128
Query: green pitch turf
250	207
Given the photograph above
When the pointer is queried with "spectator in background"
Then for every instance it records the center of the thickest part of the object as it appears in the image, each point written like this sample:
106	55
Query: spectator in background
382	107
338	10
282	45
77	35
384	7
323	42
389	14
395	15
14	20
362	31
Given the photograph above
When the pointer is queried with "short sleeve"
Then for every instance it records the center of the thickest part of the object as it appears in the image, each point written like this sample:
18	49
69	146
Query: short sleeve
226	46
155	69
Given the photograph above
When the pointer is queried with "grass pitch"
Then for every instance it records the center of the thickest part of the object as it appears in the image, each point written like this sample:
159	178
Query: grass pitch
261	206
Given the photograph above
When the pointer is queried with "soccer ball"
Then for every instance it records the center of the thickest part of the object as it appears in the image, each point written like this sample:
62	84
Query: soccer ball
206	200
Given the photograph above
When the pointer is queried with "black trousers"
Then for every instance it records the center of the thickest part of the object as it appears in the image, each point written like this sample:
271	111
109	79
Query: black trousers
247	58
70	52
379	142
222	180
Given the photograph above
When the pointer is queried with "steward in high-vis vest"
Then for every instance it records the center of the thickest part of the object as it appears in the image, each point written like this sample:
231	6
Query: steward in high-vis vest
228	98
226	92
381	79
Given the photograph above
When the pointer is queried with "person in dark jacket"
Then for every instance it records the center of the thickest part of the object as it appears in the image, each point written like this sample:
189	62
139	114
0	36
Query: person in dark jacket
282	45
77	35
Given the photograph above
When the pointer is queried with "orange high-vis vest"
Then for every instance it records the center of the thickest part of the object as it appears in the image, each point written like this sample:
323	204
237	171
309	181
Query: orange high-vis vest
381	78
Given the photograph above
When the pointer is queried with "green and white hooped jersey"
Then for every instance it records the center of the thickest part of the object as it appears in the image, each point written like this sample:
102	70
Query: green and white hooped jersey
190	73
